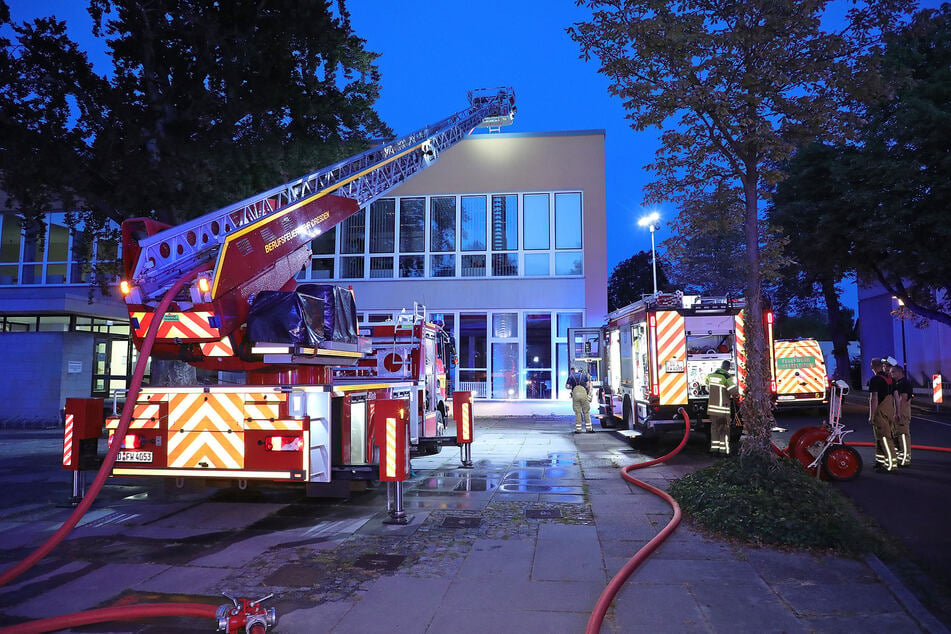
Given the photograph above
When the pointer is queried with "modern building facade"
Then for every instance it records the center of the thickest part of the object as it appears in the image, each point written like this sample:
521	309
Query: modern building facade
888	329
503	240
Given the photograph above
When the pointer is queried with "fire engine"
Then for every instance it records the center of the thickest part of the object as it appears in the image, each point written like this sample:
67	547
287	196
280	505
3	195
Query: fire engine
294	418
658	352
800	371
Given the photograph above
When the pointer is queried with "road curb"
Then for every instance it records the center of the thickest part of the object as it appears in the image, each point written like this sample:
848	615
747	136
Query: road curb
904	596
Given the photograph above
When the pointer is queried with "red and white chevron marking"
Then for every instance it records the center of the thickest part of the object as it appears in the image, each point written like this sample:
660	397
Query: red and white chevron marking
805	377
466	423
184	326
671	346
221	348
390	447
68	442
739	325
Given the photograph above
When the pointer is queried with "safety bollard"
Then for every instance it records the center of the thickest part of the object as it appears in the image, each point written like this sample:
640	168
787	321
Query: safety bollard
462	414
936	390
391	422
83	427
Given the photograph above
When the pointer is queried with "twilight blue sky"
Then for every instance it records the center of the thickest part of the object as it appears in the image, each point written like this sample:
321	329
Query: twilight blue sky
433	51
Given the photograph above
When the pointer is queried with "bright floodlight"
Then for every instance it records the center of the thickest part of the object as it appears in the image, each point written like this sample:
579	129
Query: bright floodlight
649	219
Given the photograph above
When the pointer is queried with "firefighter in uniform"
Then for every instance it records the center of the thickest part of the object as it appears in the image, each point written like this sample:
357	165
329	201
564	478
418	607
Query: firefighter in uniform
579	383
881	415
903	394
722	388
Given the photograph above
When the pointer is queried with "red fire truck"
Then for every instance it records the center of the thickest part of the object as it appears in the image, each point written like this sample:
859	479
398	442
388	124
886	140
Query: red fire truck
294	418
658	352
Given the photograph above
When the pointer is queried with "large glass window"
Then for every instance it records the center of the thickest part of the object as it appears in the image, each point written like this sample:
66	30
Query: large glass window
351	268
353	233
473	266
412	225
381	267
538	340
505	370
442	223
473	223
383	226
566	321
322	268
535	208
472	353
505	325
568	221
504	222
442	265
537	264
504	264
568	263
412	266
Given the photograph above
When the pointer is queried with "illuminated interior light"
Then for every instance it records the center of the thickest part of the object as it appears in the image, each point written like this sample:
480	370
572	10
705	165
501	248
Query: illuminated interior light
124	287
204	285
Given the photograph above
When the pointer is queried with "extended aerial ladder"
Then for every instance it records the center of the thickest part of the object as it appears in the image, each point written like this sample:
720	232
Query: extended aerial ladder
262	242
289	420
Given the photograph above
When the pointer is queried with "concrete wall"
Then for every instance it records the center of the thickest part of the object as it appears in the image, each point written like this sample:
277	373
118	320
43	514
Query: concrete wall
37	379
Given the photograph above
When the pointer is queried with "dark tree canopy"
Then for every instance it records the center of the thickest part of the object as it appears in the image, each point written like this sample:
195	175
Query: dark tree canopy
633	278
206	104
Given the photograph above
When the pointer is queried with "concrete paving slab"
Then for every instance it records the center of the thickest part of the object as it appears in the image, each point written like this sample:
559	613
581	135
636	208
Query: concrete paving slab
198	580
645	607
716	572
741	606
504	618
498	558
568	553
823	599
897	623
319	619
792	568
241	553
87	591
404	604
562	596
219	515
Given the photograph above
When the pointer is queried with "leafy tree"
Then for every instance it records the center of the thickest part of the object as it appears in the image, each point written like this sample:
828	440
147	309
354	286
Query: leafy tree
747	80
633	278
805	206
707	252
206	103
899	181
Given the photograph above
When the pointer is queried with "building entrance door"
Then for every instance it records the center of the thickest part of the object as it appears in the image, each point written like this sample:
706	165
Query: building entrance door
111	366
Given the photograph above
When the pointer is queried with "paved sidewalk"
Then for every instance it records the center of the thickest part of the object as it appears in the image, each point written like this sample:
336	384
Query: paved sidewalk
524	542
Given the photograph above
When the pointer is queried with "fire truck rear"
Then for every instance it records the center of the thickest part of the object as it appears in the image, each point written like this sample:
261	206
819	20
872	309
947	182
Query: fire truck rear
658	353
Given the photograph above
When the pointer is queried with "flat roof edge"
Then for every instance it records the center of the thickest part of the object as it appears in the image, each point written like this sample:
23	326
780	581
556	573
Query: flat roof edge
510	135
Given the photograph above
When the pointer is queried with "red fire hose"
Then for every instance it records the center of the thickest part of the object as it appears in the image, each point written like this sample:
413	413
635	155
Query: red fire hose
116	613
607	596
119	612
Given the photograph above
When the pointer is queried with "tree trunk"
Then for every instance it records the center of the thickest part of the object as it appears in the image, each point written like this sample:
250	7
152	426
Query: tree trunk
838	330
756	408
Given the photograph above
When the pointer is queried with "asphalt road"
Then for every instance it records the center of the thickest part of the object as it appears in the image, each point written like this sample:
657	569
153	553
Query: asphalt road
912	505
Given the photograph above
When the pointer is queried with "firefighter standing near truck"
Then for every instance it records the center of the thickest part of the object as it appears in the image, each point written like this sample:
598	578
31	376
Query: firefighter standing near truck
881	415
580	385
902	431
722	389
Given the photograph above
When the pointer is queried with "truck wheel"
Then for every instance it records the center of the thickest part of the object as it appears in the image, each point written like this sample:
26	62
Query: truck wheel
842	463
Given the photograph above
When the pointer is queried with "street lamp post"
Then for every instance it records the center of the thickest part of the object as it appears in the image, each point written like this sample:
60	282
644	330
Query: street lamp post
904	355
650	221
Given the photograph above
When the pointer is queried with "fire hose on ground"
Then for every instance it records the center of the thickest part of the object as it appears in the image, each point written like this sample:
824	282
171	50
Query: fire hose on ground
614	586
249	614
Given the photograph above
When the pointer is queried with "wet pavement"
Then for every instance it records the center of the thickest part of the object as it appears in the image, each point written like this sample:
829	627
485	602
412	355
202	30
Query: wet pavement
525	541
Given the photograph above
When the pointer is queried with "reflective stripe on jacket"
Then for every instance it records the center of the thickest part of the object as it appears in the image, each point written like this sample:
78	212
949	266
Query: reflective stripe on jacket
721	386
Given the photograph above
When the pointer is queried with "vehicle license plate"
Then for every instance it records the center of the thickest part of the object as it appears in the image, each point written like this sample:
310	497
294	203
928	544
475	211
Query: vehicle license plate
134	456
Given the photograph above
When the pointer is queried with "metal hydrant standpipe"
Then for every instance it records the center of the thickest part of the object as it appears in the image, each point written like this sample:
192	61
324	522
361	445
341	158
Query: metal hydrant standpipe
245	614
614	586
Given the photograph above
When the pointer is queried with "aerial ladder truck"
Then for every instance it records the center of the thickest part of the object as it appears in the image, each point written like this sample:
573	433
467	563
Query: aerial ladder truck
241	310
